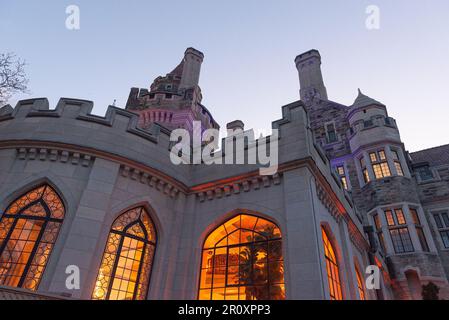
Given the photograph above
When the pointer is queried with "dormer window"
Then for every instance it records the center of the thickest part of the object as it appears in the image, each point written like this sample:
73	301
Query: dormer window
331	134
168	86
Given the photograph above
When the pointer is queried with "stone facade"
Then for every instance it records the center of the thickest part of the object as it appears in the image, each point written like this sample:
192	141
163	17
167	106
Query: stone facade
103	166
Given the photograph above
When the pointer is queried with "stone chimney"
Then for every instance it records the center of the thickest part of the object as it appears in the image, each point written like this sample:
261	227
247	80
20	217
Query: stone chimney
310	77
191	68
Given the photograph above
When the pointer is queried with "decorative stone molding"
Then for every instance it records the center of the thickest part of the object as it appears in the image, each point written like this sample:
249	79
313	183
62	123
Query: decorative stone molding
154	182
328	202
46	154
237	186
339	214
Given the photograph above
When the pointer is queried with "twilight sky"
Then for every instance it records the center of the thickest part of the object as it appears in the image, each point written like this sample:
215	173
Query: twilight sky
249	46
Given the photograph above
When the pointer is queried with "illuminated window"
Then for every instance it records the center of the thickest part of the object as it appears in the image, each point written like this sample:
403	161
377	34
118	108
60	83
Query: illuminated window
364	170
128	257
380	235
333	273
360	284
242	260
28	231
380	165
399	231
397	163
419	230
342	174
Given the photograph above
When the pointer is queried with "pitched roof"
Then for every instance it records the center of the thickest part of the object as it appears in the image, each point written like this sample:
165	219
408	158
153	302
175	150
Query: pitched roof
364	101
434	156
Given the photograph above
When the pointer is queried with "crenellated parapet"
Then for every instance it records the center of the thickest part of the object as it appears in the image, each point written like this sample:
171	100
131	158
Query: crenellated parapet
71	128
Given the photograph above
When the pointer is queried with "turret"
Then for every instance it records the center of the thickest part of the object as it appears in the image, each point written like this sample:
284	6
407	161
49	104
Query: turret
191	68
310	77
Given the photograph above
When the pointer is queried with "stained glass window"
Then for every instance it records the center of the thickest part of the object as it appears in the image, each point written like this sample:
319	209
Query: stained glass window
125	269
333	273
28	231
242	260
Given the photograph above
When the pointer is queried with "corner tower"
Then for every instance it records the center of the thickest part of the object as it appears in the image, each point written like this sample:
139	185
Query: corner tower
174	100
310	77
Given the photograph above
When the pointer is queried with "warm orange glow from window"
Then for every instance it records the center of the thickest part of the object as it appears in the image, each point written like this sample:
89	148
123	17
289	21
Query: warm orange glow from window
127	260
360	284
28	231
242	260
333	274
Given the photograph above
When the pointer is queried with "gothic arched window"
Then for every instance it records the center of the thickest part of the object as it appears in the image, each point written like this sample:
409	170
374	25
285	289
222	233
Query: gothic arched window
28	231
242	260
333	273
128	258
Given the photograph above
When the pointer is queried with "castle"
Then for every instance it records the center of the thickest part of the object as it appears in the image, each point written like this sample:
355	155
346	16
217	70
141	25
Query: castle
91	207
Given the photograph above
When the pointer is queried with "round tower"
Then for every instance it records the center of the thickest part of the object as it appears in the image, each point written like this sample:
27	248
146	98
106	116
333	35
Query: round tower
389	198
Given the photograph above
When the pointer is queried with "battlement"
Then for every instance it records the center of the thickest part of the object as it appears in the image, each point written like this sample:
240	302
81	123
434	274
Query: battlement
79	109
72	126
313	53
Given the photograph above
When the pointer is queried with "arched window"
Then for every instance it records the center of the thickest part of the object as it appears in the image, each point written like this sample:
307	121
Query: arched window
28	230
242	260
360	283
128	258
333	274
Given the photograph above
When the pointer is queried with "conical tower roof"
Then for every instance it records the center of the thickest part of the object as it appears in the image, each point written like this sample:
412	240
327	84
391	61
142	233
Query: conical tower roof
364	101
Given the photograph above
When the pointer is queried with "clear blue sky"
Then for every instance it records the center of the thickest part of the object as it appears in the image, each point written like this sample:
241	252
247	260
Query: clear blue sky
249	46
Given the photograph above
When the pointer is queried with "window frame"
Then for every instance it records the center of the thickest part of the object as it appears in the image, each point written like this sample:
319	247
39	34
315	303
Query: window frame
419	227
399	231
364	169
442	226
342	176
360	288
379	232
19	216
332	266
240	244
397	162
379	164
333	131
148	243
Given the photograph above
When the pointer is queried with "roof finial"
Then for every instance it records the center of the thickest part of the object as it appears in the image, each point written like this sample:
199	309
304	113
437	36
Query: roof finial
360	91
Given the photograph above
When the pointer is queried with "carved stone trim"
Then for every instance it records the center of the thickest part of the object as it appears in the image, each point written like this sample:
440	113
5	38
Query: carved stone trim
152	181
244	185
46	154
